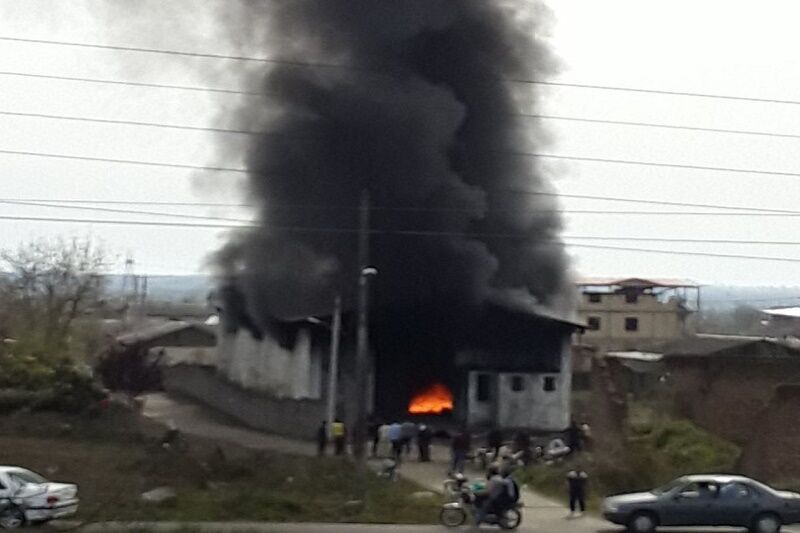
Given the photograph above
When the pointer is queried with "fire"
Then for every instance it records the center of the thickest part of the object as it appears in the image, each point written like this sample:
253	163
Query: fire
436	399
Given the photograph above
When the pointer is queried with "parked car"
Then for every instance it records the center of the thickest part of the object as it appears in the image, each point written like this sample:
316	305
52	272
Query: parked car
706	500
27	497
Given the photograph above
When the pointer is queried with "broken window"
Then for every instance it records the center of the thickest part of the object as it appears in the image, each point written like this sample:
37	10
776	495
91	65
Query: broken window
593	322
517	384
631	324
483	390
631	297
549	384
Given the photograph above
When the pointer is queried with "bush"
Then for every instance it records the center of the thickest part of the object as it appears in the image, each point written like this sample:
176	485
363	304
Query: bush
28	381
671	448
684	447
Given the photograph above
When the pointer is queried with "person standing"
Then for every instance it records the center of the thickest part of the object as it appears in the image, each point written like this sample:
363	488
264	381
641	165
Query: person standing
494	441
574	437
322	438
577	480
424	437
339	437
409	431
374	435
460	448
396	439
522	446
383	441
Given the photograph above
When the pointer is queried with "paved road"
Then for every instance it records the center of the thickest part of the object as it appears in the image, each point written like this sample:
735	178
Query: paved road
541	515
256	527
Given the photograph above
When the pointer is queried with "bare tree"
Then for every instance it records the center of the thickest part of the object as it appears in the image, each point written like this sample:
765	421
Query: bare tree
46	285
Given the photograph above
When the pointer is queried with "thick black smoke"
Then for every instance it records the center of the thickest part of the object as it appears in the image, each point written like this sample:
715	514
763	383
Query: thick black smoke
424	117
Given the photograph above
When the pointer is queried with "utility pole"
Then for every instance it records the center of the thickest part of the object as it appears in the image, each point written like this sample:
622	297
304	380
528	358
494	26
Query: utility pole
333	367
362	334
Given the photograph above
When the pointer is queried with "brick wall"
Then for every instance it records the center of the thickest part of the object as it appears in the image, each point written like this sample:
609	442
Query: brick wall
728	395
772	452
291	418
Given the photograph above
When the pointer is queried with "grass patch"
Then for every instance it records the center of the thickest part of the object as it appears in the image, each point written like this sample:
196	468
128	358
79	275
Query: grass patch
242	486
669	449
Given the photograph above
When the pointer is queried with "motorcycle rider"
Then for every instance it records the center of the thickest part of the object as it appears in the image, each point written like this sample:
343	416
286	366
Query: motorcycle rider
498	494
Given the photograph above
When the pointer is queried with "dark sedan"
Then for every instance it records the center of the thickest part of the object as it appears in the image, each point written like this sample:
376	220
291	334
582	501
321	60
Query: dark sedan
706	500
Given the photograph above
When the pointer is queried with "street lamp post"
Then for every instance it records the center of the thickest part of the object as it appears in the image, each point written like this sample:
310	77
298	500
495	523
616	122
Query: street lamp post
333	366
362	333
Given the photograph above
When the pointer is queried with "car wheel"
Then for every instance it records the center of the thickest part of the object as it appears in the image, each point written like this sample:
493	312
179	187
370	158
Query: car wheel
12	518
642	523
766	523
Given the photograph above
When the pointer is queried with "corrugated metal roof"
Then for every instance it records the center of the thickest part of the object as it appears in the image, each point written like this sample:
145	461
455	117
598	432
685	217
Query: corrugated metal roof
647	357
710	345
635	282
154	333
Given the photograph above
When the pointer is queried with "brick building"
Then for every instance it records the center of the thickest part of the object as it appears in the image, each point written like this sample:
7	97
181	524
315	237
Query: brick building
627	314
724	383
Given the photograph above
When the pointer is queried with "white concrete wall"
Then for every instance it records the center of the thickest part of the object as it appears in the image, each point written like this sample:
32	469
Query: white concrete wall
266	366
532	407
480	412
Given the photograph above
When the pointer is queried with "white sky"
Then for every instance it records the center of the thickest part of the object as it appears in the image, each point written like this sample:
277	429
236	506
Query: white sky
741	47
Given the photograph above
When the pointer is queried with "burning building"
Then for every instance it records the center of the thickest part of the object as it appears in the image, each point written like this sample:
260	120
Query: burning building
425	104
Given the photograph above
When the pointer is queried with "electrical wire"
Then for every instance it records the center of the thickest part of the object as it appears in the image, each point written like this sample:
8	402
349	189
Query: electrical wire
312	64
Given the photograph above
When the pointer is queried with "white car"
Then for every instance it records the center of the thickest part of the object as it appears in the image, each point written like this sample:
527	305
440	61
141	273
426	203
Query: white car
27	497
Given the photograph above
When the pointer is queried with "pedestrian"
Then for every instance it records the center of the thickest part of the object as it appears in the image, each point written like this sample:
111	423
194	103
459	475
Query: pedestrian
574	437
322	438
396	439
522	446
460	447
424	437
383	441
586	433
339	436
494	441
577	480
374	435
408	431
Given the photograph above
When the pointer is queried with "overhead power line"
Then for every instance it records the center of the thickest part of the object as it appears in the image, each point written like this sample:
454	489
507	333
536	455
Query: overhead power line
662	126
523	154
123	211
320	64
202	55
103	81
665	92
657	164
746	210
123	161
242	223
130	123
299	229
75	205
252	132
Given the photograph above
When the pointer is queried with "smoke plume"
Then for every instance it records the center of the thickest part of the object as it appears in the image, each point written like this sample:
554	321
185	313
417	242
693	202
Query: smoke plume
413	101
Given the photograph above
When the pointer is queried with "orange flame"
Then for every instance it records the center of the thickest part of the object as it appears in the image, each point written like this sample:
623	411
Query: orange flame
436	399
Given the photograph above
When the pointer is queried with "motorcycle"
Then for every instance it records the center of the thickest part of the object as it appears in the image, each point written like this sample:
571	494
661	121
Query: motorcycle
455	513
454	486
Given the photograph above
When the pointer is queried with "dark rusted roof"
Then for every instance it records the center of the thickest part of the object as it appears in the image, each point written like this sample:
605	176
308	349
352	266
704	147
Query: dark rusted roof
152	334
729	346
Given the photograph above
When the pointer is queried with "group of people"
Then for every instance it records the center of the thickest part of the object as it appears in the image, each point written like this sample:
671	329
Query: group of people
396	440
498	472
337	433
